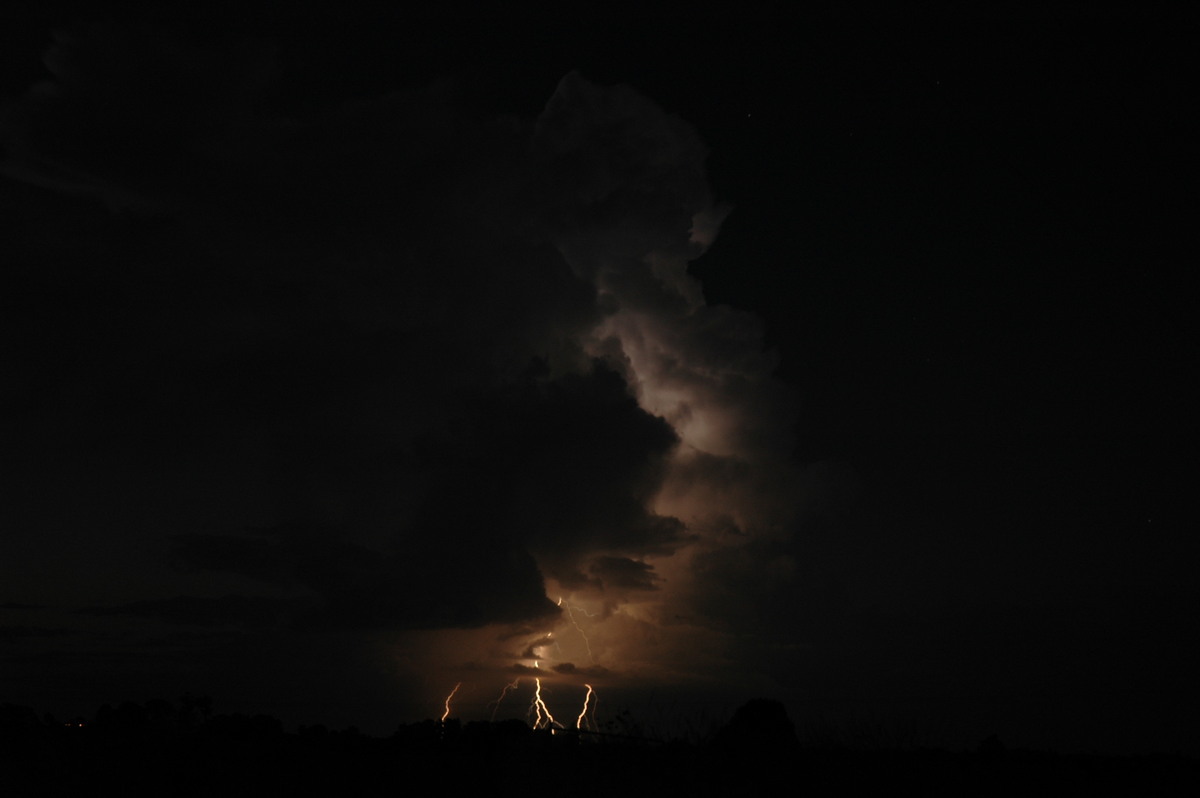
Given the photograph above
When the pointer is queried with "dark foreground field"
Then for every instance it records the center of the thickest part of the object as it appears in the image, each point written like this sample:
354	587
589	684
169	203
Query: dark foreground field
132	750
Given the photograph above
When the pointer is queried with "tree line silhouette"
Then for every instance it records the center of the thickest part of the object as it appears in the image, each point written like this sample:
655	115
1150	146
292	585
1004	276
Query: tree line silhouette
182	748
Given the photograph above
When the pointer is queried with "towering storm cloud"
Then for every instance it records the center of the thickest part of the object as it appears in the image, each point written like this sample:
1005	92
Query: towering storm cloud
384	368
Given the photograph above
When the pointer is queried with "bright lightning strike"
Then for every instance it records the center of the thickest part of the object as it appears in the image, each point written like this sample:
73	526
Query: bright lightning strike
542	717
446	714
583	718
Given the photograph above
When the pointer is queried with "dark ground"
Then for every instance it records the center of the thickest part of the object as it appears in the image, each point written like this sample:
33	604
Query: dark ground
158	749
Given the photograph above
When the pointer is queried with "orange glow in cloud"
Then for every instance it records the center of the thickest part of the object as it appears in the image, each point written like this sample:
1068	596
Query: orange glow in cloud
571	618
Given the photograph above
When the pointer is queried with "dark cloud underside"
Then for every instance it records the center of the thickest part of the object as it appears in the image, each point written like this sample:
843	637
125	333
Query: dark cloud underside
339	354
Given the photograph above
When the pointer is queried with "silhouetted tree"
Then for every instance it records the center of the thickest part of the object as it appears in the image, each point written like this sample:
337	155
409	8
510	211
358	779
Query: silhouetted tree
760	726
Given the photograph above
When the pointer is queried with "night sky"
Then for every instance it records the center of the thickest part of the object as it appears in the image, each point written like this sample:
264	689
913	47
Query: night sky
350	357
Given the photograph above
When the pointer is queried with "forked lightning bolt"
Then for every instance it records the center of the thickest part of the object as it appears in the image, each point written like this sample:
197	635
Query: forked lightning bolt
510	686
538	711
542	719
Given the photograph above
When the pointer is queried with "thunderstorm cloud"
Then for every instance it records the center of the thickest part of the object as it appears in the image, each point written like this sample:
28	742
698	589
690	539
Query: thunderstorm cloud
389	364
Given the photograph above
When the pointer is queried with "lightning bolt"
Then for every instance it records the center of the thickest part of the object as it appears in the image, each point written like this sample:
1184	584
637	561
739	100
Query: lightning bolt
542	719
446	714
539	713
583	718
575	623
510	686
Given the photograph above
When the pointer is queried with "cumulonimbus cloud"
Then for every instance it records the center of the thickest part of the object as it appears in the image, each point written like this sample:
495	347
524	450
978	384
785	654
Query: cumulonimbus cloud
424	367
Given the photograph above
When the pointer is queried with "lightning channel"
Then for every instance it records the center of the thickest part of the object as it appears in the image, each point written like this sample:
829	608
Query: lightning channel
542	719
575	623
582	720
446	714
496	704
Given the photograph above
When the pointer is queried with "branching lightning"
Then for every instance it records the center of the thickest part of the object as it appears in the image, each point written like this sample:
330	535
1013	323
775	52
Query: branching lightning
496	705
538	713
446	714
542	719
575	623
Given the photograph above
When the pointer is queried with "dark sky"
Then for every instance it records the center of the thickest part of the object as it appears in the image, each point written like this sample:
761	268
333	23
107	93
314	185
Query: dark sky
842	361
